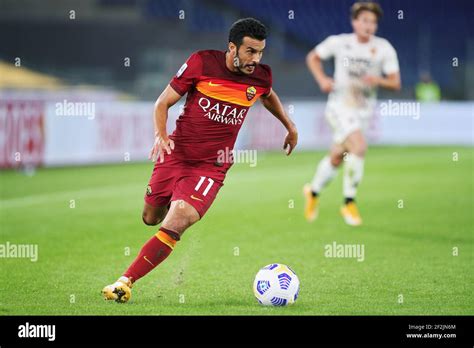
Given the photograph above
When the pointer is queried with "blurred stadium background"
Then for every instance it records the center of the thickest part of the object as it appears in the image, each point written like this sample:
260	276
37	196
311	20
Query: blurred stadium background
114	54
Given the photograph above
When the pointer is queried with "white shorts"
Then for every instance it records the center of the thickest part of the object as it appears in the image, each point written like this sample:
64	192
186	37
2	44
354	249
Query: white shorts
344	121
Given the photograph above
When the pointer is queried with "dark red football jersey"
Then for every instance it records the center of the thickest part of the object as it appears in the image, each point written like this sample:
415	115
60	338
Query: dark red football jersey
216	106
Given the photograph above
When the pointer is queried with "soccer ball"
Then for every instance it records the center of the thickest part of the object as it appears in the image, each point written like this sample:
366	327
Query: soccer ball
276	285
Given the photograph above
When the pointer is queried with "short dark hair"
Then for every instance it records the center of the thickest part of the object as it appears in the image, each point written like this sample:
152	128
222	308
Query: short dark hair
247	27
373	7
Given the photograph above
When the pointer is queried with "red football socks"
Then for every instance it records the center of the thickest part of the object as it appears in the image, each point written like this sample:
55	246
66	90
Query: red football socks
158	248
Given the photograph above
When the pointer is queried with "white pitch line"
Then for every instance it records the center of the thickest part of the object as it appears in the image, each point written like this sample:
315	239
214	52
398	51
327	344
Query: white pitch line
108	191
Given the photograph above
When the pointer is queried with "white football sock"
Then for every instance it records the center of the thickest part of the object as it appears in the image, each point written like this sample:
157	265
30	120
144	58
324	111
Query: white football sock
353	172
325	172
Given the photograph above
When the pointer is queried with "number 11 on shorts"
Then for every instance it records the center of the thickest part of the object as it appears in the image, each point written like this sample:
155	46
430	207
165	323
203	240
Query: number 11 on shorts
199	184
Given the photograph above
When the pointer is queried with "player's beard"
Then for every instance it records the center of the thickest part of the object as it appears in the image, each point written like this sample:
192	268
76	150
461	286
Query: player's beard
243	67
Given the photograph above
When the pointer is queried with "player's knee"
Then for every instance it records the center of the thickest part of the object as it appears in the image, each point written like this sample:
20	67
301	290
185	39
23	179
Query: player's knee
360	149
336	160
150	219
180	223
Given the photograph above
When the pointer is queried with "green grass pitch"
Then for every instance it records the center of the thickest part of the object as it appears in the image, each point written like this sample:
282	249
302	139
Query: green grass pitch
408	251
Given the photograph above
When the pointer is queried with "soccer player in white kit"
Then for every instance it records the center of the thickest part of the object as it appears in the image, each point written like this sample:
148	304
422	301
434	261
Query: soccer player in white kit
363	62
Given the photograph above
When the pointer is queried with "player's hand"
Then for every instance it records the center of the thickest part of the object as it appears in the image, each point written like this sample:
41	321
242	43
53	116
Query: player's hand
291	140
162	144
326	84
370	80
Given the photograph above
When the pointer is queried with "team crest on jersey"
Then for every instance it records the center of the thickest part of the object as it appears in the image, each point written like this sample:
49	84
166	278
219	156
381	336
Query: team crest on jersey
373	51
148	190
251	92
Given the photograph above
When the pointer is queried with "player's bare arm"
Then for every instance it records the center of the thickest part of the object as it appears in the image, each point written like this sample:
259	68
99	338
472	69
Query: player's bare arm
162	143
391	81
314	63
273	104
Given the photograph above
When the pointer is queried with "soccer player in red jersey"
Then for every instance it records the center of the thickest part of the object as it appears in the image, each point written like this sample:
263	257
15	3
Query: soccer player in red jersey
221	86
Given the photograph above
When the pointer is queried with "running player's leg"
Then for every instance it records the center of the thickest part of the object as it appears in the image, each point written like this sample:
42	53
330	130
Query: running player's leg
158	206
158	194
336	116
180	217
325	172
191	198
354	163
152	215
157	199
353	172
327	167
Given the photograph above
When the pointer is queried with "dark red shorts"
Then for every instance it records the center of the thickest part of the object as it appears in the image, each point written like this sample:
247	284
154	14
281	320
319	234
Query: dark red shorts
174	180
